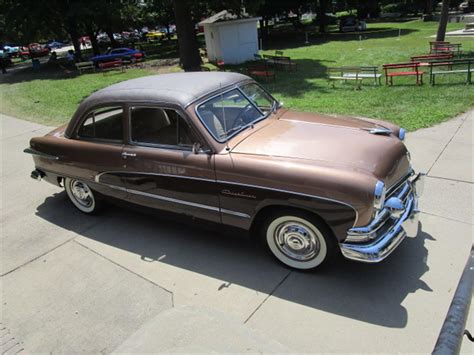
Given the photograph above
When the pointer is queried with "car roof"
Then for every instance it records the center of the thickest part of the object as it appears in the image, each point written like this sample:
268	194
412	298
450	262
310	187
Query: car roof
175	88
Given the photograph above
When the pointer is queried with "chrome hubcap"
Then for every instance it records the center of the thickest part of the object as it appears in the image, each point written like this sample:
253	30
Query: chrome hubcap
82	193
296	241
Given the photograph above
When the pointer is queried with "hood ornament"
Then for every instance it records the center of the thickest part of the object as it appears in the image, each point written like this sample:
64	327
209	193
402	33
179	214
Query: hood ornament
379	130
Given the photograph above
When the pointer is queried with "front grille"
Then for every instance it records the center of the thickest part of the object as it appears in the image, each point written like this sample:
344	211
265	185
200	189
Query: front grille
403	189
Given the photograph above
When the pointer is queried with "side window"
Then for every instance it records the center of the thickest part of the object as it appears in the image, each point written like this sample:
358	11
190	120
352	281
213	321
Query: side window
105	123
153	125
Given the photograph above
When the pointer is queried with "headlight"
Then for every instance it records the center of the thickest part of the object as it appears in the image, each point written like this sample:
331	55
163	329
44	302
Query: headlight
401	133
379	195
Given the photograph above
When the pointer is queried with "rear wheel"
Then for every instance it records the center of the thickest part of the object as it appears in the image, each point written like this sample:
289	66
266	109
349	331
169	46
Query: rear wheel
81	196
298	239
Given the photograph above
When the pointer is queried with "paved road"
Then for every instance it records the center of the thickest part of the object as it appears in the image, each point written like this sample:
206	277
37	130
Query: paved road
128	282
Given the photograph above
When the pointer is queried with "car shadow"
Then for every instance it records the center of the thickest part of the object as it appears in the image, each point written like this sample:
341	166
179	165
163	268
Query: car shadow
371	293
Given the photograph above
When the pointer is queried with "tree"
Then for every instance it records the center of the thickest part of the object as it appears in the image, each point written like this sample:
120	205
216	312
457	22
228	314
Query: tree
322	9
428	10
443	21
188	48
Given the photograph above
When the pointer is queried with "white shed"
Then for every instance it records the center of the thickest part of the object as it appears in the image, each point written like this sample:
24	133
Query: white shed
231	39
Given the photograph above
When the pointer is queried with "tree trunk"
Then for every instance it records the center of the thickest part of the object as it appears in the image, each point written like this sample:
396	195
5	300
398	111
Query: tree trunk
428	7
72	30
322	15
188	48
443	21
94	44
113	42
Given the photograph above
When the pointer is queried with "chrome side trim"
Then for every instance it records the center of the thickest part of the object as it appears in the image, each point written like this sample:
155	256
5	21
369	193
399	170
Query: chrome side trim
97	180
98	176
234	213
40	154
175	200
293	193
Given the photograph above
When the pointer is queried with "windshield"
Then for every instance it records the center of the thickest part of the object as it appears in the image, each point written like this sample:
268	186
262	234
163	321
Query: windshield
231	112
259	97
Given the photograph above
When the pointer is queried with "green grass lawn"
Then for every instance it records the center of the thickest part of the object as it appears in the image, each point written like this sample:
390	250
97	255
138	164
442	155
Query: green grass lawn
51	97
405	104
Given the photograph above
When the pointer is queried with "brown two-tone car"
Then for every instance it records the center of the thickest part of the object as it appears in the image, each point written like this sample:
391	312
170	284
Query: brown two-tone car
219	147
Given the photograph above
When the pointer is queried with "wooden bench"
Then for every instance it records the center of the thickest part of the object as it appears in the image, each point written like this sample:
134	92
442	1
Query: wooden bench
426	58
403	69
455	66
279	61
112	65
354	73
83	66
439	47
260	70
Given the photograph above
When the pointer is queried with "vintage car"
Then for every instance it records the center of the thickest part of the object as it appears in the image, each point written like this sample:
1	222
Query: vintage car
34	50
118	53
218	147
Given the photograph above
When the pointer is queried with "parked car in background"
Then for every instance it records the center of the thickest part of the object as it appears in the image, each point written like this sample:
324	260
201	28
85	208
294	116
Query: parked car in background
118	53
5	57
12	51
53	44
34	50
217	146
350	23
155	36
103	38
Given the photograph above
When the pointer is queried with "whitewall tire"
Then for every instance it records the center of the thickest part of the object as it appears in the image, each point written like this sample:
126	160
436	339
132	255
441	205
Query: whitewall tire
81	195
297	240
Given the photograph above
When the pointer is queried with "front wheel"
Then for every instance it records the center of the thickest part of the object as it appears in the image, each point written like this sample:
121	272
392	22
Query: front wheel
298	240
81	196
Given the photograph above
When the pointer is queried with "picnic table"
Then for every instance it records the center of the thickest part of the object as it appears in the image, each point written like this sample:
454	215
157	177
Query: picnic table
455	66
354	73
261	69
280	61
403	69
83	66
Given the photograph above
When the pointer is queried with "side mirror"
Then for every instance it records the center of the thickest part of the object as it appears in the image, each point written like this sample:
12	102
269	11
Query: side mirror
196	148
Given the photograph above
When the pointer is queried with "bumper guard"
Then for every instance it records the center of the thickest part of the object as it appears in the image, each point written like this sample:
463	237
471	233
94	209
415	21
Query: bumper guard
406	224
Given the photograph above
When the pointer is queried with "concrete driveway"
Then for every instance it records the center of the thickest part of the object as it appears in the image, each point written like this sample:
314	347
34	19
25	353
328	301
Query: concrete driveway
133	282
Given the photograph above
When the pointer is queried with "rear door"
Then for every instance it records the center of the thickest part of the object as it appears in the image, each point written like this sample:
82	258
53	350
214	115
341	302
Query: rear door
96	155
161	169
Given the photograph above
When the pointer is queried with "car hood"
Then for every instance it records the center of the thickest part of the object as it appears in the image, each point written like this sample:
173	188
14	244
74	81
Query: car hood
341	142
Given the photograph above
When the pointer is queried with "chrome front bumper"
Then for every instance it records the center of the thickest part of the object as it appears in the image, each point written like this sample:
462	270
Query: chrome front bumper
389	227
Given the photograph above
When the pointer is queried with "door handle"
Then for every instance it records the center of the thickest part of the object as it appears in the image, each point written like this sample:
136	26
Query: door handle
126	154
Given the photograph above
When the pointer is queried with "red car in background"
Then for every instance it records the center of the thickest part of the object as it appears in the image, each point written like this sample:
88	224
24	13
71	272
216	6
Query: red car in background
34	50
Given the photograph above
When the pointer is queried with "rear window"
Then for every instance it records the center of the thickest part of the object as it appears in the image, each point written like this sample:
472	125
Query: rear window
105	123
